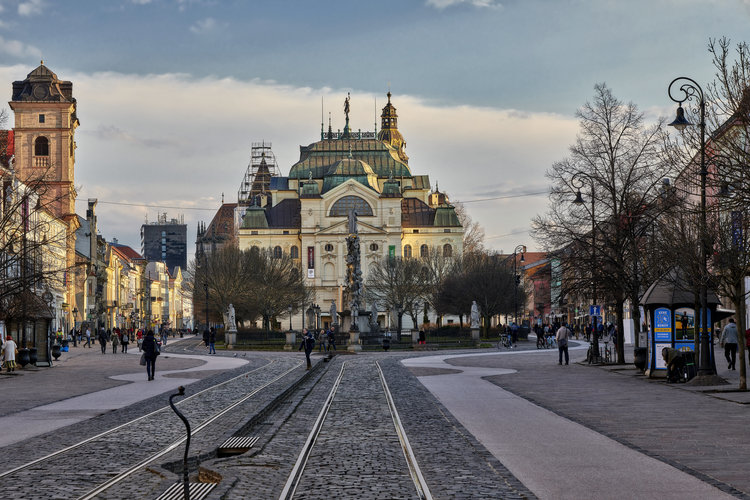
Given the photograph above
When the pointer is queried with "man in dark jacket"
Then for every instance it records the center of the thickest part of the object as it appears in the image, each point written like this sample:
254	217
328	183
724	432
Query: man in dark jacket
103	339
150	351
308	343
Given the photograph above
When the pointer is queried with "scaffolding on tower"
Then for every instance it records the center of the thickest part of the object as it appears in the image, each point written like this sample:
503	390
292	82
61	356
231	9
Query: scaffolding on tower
257	180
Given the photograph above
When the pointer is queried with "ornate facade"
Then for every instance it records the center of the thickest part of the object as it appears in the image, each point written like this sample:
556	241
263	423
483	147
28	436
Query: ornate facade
305	214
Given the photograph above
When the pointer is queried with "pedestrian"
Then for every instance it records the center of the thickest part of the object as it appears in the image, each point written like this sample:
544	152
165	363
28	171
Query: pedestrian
139	339
206	335
212	341
125	340
115	340
421	337
332	339
150	352
88	337
514	332
9	353
562	336
103	340
308	343
729	341
322	341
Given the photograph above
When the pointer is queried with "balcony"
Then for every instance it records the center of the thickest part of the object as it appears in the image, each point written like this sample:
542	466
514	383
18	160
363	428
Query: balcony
41	161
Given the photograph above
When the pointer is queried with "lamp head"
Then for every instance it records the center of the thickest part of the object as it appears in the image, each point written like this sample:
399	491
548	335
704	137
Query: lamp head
680	122
579	198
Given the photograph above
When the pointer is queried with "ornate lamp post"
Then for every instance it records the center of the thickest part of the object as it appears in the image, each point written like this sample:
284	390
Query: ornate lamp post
290	316
687	89
578	182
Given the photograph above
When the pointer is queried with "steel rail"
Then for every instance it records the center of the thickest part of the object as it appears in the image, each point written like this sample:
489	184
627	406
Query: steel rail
416	473
108	432
127	472
294	477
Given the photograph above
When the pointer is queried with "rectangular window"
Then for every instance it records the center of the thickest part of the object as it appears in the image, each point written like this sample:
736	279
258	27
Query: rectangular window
415	231
253	232
446	230
41	118
285	232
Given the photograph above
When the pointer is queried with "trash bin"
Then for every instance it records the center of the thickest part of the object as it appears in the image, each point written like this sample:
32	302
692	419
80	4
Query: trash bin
690	369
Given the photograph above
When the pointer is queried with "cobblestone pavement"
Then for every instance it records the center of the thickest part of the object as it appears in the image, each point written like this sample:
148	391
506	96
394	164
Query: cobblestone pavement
695	432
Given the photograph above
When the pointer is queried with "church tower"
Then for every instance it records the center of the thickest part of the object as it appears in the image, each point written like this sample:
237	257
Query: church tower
389	129
44	135
45	123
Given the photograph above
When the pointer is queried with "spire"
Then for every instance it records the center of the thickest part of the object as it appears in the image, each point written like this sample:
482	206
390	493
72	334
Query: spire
389	132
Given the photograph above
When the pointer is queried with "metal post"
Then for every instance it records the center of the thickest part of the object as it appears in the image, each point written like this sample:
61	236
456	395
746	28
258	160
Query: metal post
185	483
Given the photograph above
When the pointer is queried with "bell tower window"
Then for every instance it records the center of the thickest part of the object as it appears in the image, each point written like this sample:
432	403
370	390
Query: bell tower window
41	152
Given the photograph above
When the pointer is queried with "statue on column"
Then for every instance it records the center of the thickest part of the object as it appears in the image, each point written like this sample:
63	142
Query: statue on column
334	313
231	325
474	314
352	223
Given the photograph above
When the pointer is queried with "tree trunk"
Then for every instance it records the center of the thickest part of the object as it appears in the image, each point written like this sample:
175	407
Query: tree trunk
741	326
620	332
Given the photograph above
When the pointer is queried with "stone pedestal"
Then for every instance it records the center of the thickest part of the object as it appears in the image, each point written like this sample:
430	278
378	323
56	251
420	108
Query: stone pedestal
414	337
291	340
475	334
354	345
230	338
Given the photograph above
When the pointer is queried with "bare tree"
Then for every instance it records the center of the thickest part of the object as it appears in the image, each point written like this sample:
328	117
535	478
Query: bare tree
473	240
616	163
399	284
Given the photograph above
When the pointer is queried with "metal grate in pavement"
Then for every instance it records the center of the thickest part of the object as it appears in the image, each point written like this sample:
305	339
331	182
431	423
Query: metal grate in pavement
198	491
238	443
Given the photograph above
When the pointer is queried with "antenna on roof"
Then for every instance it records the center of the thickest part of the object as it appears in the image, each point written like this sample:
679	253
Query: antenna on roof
322	119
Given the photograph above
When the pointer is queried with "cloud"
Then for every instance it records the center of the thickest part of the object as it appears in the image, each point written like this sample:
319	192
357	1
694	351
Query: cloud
444	4
157	140
141	2
31	8
204	26
18	49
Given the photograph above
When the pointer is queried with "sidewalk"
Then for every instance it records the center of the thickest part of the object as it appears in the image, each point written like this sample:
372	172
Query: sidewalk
85	383
690	431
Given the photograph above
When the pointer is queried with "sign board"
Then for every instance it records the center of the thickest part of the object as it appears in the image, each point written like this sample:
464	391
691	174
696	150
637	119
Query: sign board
392	251
310	258
660	364
311	273
595	310
662	324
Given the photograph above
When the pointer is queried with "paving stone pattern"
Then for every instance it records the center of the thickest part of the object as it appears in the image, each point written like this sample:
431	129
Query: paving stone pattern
694	432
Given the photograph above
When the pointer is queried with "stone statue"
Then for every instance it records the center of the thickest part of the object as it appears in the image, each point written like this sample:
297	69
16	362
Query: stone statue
231	325
334	313
346	105
474	314
352	221
374	314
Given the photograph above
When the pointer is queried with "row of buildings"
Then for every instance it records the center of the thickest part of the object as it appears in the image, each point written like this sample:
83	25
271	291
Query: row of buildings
56	270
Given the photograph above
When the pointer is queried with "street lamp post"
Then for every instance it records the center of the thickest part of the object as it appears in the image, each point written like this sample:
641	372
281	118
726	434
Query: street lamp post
688	89
577	181
516	281
290	316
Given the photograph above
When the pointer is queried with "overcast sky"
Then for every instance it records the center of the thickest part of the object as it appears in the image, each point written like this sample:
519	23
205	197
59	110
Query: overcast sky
171	93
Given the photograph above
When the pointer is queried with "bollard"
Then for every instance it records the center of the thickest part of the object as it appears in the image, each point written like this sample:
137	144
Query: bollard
186	485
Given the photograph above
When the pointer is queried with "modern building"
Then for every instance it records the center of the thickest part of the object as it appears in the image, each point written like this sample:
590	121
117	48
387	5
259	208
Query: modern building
165	240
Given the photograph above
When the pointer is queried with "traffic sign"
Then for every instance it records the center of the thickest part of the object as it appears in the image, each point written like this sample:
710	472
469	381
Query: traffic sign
595	310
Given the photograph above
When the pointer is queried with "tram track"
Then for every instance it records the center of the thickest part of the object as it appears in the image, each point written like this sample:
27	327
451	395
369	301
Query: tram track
305	477
152	436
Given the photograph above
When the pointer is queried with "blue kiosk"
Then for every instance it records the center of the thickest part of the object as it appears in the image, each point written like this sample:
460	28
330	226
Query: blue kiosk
672	320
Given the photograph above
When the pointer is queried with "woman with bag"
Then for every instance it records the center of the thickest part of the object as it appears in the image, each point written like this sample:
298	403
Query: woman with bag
150	351
125	340
10	350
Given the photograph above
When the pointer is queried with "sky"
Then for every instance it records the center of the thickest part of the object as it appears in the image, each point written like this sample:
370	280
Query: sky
171	93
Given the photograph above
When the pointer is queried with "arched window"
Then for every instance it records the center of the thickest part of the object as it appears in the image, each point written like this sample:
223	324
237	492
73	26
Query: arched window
447	250
407	251
41	146
424	251
343	205
294	252
277	252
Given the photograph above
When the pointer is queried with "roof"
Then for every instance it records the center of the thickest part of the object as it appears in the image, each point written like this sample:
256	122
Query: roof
286	214
42	85
279	184
319	156
673	290
254	218
416	213
127	252
445	216
223	222
350	168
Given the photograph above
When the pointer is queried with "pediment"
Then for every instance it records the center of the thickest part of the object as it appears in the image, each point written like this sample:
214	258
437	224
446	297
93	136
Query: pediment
352	187
342	228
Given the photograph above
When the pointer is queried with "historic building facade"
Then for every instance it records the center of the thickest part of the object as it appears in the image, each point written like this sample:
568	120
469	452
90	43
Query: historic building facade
305	214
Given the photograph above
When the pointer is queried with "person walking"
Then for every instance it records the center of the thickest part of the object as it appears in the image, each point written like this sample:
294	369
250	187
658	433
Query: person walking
115	340
729	341
125	340
9	354
332	339
322	341
150	352
103	340
206	336
308	343
212	341
562	336
88	337
139	339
